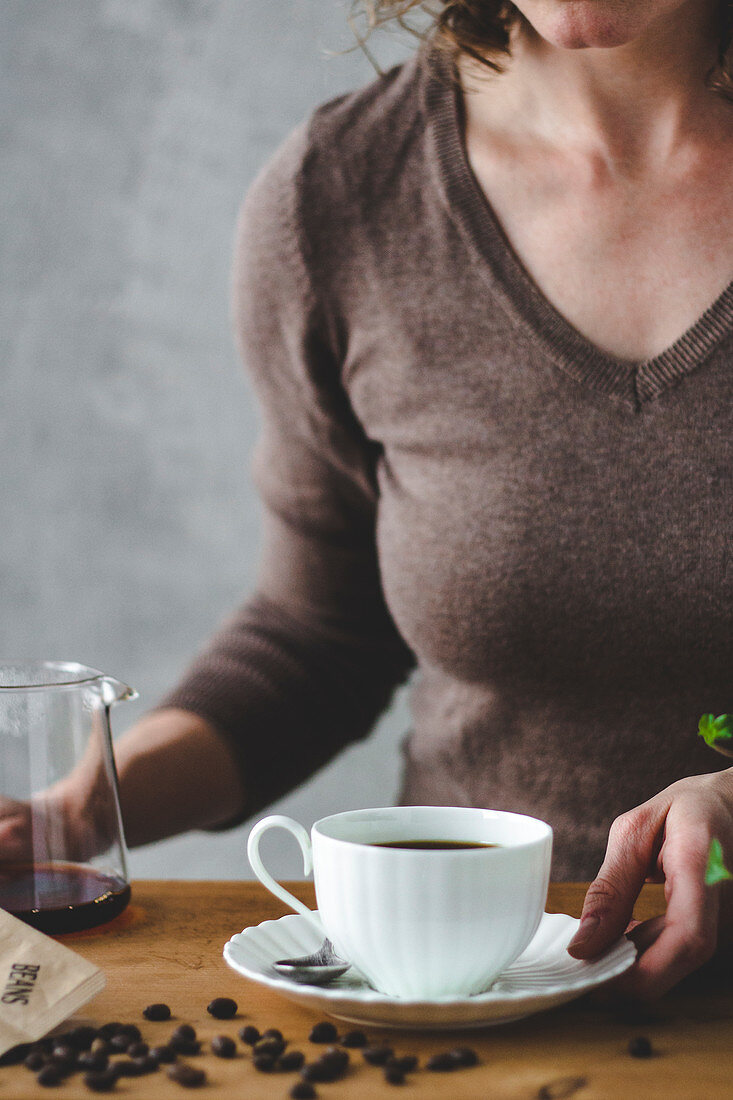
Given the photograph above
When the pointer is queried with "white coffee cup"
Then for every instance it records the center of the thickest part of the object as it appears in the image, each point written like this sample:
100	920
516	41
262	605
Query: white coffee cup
422	923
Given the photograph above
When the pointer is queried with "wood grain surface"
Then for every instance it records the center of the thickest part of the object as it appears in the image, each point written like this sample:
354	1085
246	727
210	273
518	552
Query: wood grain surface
167	946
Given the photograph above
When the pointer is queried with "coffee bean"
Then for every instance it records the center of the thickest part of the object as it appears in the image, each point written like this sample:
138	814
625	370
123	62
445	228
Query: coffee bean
188	1076
249	1034
81	1038
377	1056
336	1057
223	1047
272	1033
354	1039
157	1012
265	1063
101	1082
106	1031
132	1031
271	1047
318	1071
290	1060
223	1008
100	1046
16	1054
640	1047
164	1054
35	1060
393	1075
303	1091
406	1064
441	1063
185	1046
138	1050
128	1067
324	1032
49	1076
92	1060
120	1042
184	1031
62	1052
464	1057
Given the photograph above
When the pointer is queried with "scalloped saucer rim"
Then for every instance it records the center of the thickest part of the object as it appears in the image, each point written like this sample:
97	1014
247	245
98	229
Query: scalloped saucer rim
528	986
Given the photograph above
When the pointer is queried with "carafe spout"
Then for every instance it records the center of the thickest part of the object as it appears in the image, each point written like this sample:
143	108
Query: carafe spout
114	691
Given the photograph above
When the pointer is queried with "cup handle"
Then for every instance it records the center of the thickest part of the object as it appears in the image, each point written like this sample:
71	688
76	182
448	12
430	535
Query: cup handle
253	855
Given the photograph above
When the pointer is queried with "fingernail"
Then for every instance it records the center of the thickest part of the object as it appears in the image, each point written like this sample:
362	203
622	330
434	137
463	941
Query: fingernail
588	928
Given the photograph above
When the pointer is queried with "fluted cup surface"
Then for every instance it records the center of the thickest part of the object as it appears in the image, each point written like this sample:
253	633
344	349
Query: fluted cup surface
427	923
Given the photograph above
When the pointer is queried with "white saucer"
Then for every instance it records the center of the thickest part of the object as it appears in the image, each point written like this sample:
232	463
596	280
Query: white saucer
543	976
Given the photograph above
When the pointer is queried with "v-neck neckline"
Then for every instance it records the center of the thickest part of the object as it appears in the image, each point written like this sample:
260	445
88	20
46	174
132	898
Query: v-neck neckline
635	381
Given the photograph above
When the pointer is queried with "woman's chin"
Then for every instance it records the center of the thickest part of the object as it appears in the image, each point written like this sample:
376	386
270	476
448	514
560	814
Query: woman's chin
584	24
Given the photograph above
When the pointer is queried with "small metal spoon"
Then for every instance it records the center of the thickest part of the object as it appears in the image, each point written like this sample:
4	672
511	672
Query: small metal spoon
323	966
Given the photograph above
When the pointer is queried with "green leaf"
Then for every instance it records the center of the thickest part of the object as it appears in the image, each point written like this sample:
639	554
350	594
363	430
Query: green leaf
716	870
713	729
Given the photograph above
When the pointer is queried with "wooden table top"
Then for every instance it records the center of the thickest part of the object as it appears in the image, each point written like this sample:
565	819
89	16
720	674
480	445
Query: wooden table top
167	946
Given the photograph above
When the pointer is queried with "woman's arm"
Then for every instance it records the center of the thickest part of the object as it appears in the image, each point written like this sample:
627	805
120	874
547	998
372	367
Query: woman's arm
176	773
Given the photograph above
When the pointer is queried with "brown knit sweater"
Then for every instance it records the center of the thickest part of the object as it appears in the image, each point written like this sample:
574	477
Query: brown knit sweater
457	482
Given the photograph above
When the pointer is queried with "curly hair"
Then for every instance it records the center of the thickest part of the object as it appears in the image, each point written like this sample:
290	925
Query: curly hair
482	29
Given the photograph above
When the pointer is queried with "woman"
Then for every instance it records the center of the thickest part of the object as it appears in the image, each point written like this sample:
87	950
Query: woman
487	306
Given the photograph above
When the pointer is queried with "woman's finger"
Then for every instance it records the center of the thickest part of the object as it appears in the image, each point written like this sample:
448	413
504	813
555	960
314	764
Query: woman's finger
609	903
688	937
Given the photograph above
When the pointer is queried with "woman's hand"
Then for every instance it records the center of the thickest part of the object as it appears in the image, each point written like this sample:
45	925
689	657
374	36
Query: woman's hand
666	839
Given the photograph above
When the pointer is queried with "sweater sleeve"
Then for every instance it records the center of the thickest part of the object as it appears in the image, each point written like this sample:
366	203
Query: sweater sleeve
313	657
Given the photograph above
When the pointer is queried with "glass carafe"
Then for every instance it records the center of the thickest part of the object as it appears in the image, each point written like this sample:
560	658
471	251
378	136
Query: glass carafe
62	848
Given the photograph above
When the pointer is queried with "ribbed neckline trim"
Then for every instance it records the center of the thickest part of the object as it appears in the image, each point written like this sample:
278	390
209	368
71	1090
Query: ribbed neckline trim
466	203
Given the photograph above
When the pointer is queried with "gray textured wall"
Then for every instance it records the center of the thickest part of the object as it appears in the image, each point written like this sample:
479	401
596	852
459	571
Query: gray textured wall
129	131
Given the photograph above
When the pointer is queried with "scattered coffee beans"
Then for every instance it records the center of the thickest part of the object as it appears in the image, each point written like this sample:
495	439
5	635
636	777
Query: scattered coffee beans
188	1076
303	1091
64	1055
223	1047
132	1031
81	1038
273	1048
324	1032
640	1047
163	1054
157	1012
184	1041
265	1063
441	1063
249	1034
184	1031
318	1071
103	1081
106	1031
49	1076
290	1060
222	1008
393	1075
129	1067
406	1064
120	1042
377	1056
92	1060
16	1054
329	1067
354	1039
138	1050
464	1057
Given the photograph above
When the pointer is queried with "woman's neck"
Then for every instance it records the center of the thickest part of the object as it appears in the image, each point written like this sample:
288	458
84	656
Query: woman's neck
632	105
